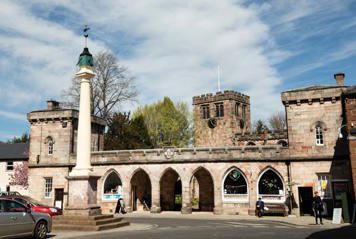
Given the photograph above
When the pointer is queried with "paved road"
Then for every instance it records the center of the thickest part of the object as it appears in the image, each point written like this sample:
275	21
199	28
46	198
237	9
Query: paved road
154	228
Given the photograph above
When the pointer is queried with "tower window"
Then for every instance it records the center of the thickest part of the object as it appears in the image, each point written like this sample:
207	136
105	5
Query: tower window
219	110
237	111
205	112
319	138
243	111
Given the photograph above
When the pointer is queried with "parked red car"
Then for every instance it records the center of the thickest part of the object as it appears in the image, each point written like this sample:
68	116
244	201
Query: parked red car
35	205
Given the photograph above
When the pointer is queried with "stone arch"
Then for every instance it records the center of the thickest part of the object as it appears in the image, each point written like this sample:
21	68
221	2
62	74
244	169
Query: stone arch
170	190
112	185
282	142
250	143
141	190
203	180
317	123
270	185
235	187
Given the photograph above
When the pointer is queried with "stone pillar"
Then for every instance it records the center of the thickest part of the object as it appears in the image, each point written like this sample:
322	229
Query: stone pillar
186	197
156	200
127	195
218	209
253	196
83	166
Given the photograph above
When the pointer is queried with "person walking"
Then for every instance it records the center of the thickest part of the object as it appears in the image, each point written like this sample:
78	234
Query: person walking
120	206
318	208
260	205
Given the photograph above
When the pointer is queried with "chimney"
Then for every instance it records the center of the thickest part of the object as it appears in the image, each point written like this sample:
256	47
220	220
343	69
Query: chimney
52	105
339	77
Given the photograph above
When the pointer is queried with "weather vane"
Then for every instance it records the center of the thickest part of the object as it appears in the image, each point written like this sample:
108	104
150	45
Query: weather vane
85	33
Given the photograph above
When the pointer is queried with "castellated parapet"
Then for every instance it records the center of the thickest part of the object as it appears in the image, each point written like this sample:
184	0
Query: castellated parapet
220	96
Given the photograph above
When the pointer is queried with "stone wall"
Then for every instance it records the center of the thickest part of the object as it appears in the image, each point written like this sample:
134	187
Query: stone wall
306	109
225	127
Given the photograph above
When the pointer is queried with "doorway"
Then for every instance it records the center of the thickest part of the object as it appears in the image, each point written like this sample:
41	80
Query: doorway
305	200
58	197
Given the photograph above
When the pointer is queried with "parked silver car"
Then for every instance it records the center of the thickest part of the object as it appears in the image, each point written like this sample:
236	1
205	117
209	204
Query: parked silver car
16	219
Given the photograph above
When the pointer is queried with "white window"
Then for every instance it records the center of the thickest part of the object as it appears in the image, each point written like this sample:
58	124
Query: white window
48	187
50	146
9	166
324	186
319	139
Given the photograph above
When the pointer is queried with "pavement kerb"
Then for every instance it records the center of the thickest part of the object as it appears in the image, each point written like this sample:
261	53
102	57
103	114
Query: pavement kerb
297	221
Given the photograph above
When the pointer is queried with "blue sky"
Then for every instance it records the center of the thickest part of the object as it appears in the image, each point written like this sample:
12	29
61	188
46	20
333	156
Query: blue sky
173	48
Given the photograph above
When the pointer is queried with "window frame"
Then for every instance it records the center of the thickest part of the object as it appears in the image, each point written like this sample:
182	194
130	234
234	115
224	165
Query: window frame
219	109
50	143
319	135
205	111
235	198
48	187
10	166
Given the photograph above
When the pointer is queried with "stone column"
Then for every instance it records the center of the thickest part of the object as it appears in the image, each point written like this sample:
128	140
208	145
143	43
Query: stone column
186	197
218	209
156	200
83	166
127	195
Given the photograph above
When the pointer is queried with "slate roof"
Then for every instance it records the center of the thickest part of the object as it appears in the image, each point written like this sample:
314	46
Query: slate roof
17	151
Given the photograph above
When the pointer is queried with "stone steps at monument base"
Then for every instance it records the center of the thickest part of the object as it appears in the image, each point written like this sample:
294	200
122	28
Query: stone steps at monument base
78	217
73	227
85	220
92	220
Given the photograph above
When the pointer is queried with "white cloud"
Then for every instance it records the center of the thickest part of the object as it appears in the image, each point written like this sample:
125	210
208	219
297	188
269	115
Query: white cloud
13	115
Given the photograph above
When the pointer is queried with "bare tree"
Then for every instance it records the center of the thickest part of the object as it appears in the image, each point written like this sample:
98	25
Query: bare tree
111	86
277	121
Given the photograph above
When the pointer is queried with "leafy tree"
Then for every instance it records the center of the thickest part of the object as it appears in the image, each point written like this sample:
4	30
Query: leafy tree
126	133
168	124
277	121
260	127
23	139
111	86
20	175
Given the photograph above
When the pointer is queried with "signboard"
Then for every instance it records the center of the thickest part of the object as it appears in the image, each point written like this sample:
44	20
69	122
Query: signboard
337	216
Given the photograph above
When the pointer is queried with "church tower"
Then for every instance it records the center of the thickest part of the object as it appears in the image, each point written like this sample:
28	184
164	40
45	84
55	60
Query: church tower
219	118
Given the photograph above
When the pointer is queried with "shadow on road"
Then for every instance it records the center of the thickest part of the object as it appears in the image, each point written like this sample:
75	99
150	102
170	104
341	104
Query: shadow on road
347	232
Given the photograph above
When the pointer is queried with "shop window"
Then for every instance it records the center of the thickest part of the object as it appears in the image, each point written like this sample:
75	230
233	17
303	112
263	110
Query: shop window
235	186
205	112
270	186
219	110
319	138
324	185
10	166
112	187
48	187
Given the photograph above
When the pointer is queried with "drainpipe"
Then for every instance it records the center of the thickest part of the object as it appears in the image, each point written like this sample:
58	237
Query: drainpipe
290	206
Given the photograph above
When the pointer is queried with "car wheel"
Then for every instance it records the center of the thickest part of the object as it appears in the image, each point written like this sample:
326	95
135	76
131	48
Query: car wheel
40	230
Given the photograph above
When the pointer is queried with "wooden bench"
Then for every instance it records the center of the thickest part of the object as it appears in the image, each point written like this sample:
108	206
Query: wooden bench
276	208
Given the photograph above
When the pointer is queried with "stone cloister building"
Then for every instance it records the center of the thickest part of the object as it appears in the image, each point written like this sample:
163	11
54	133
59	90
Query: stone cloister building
227	170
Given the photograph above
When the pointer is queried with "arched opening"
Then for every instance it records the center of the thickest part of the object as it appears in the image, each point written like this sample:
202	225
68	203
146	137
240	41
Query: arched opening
283	143
270	186
112	187
250	143
140	191
202	190
235	186
170	191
